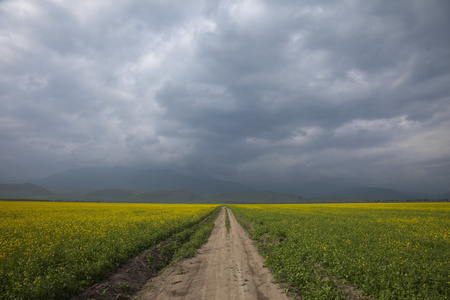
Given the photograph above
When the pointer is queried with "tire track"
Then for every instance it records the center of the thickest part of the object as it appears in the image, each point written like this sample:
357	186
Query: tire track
228	266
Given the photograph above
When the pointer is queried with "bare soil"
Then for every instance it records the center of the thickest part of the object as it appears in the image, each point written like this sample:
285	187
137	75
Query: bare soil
228	266
129	279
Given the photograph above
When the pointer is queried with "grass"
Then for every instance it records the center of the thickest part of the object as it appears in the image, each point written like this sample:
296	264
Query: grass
183	244
227	221
387	251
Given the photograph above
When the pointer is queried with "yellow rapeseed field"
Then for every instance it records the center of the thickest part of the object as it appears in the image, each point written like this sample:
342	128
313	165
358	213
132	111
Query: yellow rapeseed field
51	249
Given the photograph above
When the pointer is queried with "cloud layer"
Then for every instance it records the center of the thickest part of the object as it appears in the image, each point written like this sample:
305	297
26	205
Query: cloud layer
306	94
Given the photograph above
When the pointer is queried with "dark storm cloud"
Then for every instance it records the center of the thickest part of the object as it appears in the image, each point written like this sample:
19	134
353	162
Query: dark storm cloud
293	93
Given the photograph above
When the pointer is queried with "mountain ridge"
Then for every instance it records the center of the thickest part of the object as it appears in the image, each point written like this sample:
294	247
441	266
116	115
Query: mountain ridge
142	180
378	193
17	190
154	184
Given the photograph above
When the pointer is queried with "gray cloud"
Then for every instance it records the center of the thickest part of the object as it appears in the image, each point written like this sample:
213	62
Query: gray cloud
301	94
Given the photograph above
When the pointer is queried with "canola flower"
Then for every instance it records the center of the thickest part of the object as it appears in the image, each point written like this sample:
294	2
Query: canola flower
389	251
53	250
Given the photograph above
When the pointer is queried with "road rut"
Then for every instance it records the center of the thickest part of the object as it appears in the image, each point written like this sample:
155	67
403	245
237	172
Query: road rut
228	266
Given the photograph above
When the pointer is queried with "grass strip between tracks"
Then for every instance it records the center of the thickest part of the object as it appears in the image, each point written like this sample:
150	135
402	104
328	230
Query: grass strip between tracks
227	221
182	245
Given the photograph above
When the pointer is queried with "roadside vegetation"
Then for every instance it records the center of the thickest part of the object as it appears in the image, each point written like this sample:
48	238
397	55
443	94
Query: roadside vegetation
227	221
329	251
51	250
182	245
54	250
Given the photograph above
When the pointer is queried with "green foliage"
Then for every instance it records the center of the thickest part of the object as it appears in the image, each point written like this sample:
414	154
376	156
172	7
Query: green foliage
198	238
389	251
227	221
183	244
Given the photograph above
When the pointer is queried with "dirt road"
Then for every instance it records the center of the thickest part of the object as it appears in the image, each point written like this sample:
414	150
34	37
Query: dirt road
227	267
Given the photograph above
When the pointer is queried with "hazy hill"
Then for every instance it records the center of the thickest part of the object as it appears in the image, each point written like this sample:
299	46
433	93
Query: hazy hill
23	190
186	196
142	180
172	196
371	193
445	196
259	197
112	195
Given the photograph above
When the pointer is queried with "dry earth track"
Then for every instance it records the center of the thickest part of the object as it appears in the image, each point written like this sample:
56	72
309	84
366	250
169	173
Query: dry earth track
228	266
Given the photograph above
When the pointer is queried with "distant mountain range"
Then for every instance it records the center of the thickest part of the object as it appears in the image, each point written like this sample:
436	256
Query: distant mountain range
23	190
259	197
121	184
160	196
141	180
186	196
372	193
445	196
376	193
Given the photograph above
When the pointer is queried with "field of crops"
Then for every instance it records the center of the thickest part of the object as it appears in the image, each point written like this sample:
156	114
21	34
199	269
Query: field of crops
388	251
52	250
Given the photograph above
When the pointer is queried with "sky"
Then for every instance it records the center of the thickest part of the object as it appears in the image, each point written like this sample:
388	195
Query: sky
305	96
